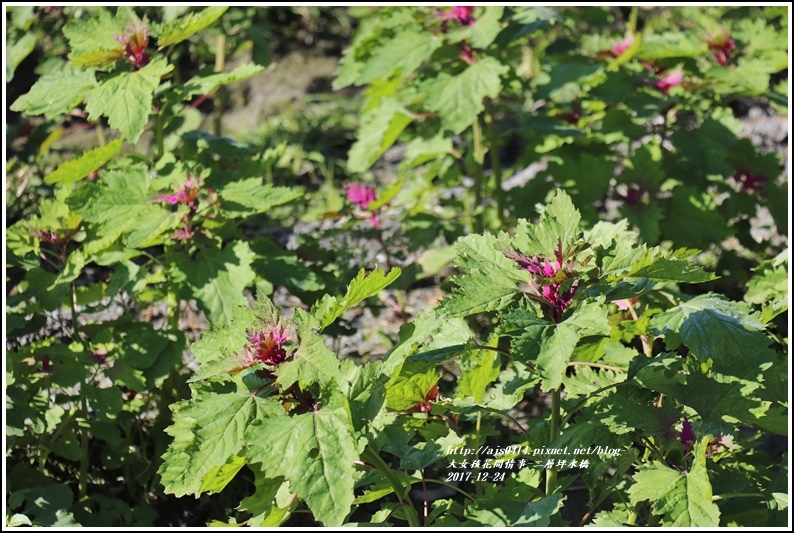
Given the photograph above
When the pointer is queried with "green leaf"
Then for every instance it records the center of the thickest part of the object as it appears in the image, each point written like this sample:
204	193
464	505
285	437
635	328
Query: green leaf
669	44
502	512
121	205
218	350
220	476
478	369
208	430
406	51
126	98
80	167
284	267
312	361
558	227
485	29
92	41
366	284
216	278
682	499
262	503
56	93
17	52
550	346
459	99
181	29
315	452
200	85
491	278
380	127
250	196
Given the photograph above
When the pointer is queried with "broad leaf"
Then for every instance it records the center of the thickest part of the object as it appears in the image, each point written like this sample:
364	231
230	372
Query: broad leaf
250	196
406	51
459	99
379	129
682	499
126	98
56	93
80	167
181	29
312	361
315	453
366	284
208	430
216	278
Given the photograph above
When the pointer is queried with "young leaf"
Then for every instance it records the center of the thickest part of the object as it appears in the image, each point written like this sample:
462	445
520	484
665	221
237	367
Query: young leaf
459	99
92	41
126	98
218	350
200	85
80	167
56	93
366	284
181	29
682	499
315	453
503	512
406	51
312	361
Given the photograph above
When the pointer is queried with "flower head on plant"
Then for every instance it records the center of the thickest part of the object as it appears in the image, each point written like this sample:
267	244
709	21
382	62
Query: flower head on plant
460	14
751	182
362	196
135	42
266	346
721	46
431	396
551	276
621	46
670	80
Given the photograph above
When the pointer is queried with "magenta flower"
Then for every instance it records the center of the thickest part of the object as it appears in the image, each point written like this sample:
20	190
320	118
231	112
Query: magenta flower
135	43
670	81
361	195
687	436
721	46
186	194
620	47
267	347
551	276
460	14
467	54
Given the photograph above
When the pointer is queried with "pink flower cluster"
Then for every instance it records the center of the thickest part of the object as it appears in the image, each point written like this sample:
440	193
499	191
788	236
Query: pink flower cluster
548	274
186	195
459	14
620	47
362	196
135	43
721	46
687	436
669	81
266	346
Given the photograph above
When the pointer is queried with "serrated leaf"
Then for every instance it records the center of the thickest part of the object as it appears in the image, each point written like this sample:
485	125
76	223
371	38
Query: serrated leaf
315	453
220	476
558	227
92	41
480	34
365	284
313	361
126	98
670	44
180	29
550	346
121	205
80	167
682	499
406	51
250	196
200	85
491	278
459	99
478	368
208	430
262	503
217	279
57	93
380	127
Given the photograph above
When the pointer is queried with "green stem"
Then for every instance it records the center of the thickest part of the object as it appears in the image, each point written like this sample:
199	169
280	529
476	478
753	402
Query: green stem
737	495
173	310
73	305
478	174
83	477
496	163
554	433
220	64
375	460
100	134
159	134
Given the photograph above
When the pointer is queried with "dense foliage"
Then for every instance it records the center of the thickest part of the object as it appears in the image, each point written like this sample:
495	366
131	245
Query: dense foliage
610	342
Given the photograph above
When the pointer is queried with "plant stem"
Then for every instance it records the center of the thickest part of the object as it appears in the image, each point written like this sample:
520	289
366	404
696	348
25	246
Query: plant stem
100	134
647	348
597	365
220	100
159	134
496	163
83	478
551	474
375	459
479	176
